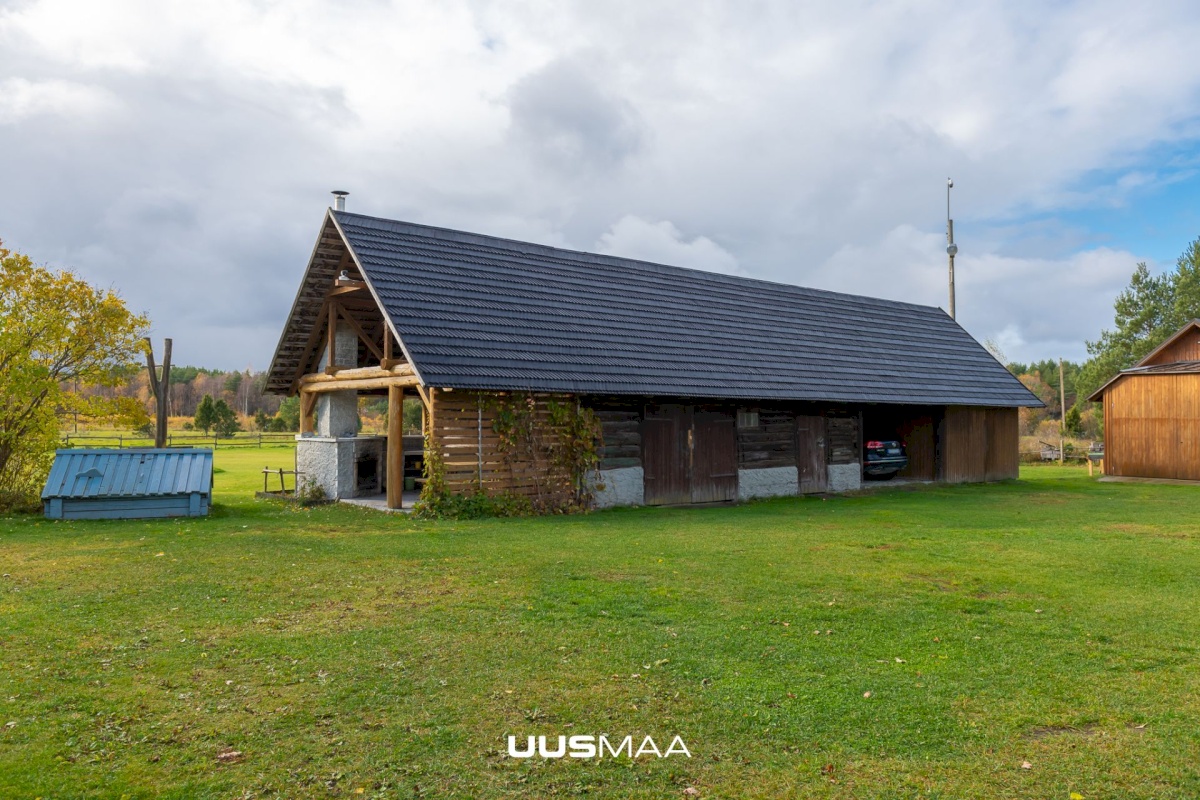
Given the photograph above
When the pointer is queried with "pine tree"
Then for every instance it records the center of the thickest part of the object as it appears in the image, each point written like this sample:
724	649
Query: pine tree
206	414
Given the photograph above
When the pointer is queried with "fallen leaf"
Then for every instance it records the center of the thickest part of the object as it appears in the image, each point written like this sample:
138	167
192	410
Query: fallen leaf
1026	765
159	555
899	660
692	791
1076	796
866	694
229	756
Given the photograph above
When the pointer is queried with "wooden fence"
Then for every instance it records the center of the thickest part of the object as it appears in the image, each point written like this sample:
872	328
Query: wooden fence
132	439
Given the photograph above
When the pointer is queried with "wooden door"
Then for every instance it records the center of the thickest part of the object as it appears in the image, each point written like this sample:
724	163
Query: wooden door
665	432
810	454
714	457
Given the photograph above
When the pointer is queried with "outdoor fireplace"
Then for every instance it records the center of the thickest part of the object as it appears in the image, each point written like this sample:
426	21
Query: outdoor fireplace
342	463
369	453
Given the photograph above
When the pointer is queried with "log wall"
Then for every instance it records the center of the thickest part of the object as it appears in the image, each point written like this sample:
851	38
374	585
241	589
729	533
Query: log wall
620	430
841	440
771	444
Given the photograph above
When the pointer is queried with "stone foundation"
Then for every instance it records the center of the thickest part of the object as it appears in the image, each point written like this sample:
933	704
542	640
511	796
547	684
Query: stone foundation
769	482
622	487
845	477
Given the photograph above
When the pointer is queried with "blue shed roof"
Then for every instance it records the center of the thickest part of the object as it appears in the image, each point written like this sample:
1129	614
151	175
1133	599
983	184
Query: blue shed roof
129	473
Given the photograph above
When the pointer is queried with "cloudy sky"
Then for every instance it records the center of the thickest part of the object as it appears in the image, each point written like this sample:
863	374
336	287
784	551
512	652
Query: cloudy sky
183	152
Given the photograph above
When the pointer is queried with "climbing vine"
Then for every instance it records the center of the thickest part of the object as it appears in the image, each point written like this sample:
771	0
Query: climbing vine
557	446
549	446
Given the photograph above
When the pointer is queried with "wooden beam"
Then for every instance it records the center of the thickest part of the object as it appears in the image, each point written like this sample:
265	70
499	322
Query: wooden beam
354	374
362	335
424	397
429	418
395	447
329	361
320	387
308	402
345	288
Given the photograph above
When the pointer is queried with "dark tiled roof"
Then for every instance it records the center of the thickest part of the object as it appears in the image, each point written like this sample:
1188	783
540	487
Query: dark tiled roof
482	312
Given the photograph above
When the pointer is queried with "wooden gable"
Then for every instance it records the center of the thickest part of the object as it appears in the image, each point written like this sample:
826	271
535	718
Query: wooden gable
324	300
1184	345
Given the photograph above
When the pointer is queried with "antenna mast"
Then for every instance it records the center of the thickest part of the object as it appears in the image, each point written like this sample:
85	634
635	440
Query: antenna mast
951	247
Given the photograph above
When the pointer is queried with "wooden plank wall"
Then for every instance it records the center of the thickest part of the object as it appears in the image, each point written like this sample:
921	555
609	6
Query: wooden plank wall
1187	348
919	435
979	444
463	432
1004	444
1152	427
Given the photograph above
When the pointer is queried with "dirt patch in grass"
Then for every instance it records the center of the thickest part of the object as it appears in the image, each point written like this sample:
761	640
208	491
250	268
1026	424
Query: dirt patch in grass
1051	731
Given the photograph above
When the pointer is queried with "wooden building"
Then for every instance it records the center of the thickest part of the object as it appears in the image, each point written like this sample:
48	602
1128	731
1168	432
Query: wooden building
1152	412
706	387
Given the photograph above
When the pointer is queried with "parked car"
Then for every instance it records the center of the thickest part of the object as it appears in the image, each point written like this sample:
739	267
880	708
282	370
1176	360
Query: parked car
883	459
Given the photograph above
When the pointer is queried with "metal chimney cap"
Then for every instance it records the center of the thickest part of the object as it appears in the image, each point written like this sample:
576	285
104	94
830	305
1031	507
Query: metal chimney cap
339	199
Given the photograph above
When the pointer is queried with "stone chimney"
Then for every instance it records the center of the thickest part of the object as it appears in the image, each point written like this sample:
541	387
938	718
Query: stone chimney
337	412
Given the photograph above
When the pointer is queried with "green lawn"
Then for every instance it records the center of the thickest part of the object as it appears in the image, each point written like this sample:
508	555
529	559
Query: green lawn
346	653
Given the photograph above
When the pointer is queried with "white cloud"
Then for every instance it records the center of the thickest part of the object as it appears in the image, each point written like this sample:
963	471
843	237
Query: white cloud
1032	307
21	99
663	243
790	142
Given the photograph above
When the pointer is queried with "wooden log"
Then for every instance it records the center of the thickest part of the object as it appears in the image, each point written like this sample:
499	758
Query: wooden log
345	385
356	373
331	337
359	332
308	402
395	447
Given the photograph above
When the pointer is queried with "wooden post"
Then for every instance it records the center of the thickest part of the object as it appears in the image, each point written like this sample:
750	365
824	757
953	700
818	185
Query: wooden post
159	387
1062	415
331	344
308	402
395	447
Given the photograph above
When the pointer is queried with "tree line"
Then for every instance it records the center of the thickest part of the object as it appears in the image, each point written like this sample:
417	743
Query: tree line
1146	313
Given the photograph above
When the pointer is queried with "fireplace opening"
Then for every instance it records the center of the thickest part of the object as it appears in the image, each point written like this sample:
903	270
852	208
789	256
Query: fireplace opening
366	474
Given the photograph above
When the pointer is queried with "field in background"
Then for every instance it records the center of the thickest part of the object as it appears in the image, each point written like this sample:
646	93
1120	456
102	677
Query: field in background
910	642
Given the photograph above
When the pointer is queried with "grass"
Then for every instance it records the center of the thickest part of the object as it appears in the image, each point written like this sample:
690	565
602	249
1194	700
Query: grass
1051	621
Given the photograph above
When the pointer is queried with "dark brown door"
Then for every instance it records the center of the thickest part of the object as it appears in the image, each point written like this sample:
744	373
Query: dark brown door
714	457
810	454
665	432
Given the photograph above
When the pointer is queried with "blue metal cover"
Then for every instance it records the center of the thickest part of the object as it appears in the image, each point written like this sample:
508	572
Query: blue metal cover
129	473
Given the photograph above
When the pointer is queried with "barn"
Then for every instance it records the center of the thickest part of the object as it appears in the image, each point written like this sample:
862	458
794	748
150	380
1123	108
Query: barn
129	484
1152	412
695	387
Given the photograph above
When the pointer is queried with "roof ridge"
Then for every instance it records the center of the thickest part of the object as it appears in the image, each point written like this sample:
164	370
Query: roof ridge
612	260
